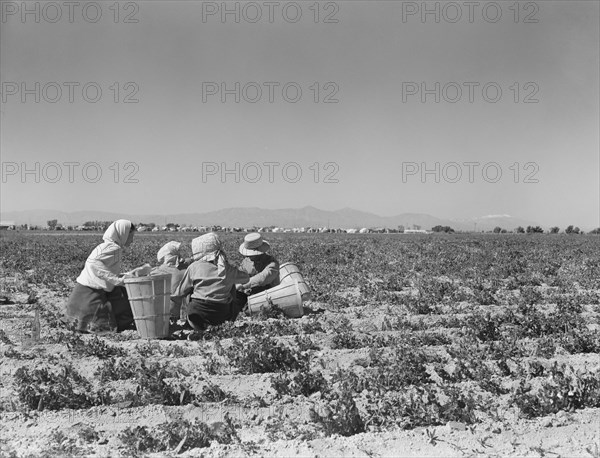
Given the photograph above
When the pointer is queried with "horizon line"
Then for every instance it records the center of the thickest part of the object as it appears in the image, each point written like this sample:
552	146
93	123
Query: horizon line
258	208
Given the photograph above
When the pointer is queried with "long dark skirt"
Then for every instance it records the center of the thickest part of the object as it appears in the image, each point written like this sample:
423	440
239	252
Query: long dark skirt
95	309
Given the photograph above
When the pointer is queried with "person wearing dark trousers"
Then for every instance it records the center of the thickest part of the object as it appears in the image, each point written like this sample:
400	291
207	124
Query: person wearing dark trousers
210	281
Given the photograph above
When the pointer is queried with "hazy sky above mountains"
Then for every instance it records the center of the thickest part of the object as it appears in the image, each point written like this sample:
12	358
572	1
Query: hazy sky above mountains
375	141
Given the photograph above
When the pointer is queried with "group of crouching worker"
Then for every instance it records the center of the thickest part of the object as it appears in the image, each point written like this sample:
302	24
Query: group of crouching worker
208	289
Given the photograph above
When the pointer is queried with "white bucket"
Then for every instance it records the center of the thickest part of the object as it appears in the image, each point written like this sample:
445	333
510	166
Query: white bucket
150	299
289	273
285	296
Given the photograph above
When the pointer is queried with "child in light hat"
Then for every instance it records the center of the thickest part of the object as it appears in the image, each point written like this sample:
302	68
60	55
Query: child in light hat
210	280
261	266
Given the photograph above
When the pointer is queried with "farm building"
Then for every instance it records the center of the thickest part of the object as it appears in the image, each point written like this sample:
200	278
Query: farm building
8	225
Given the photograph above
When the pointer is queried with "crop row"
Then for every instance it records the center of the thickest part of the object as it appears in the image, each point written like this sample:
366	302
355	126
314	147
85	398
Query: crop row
479	264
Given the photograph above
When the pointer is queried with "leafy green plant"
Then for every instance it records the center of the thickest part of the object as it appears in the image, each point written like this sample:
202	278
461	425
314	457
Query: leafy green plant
64	445
302	383
563	389
425	405
304	343
264	354
346	339
311	326
545	347
485	327
177	436
422	305
509	346
153	388
4	338
404	365
44	388
581	340
118	369
248	328
147	349
88	434
212	364
484	295
140	439
269	312
213	393
90	346
16	354
337	414
467	360
530	296
291	429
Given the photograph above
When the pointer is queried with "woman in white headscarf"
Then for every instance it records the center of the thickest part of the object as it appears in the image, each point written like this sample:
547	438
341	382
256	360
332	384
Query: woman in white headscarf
211	281
171	262
99	288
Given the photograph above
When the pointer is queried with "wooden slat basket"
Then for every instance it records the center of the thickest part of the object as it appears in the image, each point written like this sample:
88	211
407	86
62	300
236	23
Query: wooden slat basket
150	303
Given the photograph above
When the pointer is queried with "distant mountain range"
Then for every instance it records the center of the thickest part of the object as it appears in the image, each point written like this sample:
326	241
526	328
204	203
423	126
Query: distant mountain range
260	217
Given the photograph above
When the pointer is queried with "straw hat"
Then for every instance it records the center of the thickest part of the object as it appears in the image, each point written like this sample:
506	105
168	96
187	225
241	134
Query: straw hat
254	245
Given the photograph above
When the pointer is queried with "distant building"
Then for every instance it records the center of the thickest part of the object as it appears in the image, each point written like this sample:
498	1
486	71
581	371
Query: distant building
8	225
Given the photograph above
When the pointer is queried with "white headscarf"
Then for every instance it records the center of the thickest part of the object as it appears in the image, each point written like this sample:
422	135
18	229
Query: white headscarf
103	265
169	253
118	232
208	247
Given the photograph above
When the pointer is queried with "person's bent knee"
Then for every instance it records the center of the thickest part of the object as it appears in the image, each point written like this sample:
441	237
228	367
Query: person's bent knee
196	322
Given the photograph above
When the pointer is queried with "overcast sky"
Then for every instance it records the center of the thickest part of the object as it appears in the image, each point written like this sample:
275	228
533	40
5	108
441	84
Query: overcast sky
378	61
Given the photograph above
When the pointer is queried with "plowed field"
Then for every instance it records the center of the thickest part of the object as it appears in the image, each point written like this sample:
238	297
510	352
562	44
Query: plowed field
411	345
